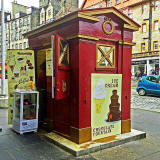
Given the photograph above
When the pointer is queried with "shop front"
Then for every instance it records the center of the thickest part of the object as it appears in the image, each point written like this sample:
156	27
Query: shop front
146	66
85	87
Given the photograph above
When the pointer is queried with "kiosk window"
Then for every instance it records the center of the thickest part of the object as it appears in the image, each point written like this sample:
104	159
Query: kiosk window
63	52
105	56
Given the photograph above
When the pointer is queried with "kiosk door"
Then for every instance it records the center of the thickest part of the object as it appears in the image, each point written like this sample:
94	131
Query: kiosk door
62	69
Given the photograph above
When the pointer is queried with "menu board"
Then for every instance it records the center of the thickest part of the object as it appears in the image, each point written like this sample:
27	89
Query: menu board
21	74
105	105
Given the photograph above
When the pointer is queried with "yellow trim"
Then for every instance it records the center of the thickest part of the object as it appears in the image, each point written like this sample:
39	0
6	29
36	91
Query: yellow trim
153	25
127	26
142	27
84	37
107	21
127	43
111	10
97	38
106	45
62	21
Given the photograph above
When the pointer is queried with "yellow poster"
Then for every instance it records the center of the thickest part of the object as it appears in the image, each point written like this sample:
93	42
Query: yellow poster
105	105
49	62
21	74
41	58
45	55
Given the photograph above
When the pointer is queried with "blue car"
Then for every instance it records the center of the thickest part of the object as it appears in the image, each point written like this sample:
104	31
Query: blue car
149	84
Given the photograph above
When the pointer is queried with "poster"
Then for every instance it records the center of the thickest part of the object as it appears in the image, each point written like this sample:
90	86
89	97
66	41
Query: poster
41	58
49	62
45	55
21	74
105	105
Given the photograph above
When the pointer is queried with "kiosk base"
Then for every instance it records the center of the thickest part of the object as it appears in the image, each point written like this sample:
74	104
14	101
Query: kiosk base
94	146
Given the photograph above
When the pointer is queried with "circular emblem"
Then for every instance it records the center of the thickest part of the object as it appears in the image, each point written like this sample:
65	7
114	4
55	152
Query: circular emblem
107	21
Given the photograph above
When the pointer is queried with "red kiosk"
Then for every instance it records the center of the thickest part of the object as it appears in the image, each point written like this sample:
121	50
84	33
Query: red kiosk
91	59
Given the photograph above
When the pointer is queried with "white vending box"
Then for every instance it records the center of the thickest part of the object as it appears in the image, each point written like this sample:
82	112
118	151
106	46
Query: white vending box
25	112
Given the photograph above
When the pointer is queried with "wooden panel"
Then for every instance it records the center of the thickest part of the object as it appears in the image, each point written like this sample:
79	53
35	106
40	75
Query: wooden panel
80	135
126	126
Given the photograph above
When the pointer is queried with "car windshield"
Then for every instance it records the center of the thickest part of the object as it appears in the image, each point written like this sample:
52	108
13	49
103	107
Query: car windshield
152	79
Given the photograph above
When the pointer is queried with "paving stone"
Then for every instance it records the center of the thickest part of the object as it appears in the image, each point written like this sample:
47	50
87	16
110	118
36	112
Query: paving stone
4	155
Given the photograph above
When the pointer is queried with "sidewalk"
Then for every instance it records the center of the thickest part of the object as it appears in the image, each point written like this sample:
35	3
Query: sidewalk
32	147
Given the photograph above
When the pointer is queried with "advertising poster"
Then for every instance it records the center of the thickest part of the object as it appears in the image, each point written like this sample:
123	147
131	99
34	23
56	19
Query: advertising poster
49	62
105	105
21	74
41	58
45	55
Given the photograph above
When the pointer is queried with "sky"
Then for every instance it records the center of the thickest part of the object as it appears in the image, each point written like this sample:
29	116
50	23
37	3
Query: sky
8	6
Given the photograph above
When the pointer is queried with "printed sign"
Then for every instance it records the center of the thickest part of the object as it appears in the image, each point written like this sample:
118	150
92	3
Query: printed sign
105	105
21	74
49	62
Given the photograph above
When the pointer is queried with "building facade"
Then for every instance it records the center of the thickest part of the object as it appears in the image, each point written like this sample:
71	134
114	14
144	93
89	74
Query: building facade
145	54
53	9
20	23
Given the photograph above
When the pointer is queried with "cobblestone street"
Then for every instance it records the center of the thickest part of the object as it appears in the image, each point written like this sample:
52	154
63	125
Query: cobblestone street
148	102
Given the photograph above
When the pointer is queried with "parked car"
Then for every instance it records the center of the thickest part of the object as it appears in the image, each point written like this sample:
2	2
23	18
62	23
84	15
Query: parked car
149	85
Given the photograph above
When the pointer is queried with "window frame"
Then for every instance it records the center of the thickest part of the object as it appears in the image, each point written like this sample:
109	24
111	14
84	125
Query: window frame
156	23
143	46
114	57
144	30
144	8
154	42
156	6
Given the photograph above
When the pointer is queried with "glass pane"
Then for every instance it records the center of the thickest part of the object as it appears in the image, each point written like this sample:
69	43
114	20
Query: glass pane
17	106
63	52
105	56
29	106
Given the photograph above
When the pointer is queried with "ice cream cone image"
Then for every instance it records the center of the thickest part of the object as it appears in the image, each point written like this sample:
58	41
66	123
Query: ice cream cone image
99	96
98	104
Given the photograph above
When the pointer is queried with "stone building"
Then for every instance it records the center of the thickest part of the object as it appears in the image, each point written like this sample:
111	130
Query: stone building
145	54
53	9
23	19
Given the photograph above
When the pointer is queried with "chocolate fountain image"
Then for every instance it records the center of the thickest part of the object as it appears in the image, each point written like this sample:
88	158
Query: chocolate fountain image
114	112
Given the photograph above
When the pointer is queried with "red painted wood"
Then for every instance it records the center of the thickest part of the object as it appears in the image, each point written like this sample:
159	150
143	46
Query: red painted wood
61	73
75	110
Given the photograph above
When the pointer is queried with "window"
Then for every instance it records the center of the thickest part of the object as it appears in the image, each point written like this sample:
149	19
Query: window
12	37
20	46
144	8
151	79
109	3
25	21
12	46
16	36
24	45
143	47
155	45
156	4
20	35
63	53
105	56
28	19
144	28
156	25
49	13
117	1
16	47
42	15
20	23
129	13
101	4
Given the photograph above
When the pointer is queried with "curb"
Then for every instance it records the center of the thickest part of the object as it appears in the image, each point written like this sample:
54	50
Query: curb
77	151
